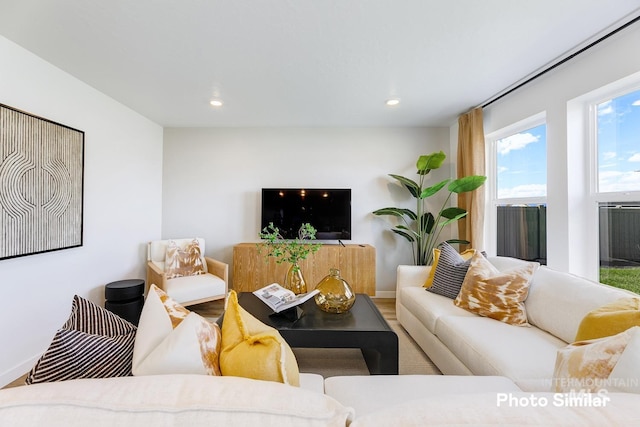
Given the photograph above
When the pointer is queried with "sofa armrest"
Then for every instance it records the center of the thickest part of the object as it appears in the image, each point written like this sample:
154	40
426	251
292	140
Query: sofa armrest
411	276
155	276
220	269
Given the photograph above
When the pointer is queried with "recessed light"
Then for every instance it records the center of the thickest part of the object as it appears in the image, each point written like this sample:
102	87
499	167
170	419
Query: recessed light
216	103
392	102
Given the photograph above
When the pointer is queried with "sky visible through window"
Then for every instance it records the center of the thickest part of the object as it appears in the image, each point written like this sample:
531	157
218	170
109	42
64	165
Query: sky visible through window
522	164
618	138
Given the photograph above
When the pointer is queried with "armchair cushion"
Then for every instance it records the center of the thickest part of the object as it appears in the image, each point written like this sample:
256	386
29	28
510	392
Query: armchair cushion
184	261
194	288
157	250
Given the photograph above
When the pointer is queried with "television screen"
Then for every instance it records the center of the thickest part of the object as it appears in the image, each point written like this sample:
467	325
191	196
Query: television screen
327	210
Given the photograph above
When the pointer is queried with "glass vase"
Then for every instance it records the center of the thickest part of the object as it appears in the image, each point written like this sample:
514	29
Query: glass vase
335	295
294	280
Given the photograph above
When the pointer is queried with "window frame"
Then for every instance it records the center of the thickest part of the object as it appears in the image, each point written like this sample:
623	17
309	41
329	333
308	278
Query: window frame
595	195
492	200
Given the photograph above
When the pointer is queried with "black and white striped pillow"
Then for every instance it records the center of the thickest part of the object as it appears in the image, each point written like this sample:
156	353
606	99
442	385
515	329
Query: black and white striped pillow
450	272
93	343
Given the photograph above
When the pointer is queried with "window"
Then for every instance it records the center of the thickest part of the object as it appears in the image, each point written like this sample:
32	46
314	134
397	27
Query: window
618	143
617	188
518	190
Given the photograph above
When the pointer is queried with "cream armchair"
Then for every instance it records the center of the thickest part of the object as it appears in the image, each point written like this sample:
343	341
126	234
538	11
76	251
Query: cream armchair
187	290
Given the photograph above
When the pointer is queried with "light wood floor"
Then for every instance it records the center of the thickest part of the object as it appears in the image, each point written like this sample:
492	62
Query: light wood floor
412	359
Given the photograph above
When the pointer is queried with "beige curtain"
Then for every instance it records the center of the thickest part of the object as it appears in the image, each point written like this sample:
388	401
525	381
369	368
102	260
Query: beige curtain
471	162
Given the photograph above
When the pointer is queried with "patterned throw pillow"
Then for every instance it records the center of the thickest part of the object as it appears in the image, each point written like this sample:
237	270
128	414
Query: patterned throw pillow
252	349
449	272
185	261
624	376
174	340
586	365
93	343
436	258
496	294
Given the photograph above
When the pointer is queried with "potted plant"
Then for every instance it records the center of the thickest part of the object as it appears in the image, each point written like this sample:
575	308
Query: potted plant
421	227
291	251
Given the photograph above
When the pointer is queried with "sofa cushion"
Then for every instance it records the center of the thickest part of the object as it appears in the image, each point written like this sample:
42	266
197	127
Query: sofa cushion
169	400
388	390
488	347
498	295
252	349
483	409
93	343
503	263
174	340
427	307
449	273
610	319
558	302
586	365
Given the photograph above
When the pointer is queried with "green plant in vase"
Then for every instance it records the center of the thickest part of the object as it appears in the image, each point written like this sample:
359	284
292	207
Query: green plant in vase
421	227
291	251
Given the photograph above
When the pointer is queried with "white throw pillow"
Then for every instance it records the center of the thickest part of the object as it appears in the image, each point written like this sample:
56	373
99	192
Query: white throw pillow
174	340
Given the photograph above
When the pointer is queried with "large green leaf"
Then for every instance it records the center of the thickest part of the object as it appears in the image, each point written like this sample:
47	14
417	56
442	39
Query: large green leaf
431	161
430	191
411	185
454	219
407	229
467	183
428	222
452	212
399	212
405	235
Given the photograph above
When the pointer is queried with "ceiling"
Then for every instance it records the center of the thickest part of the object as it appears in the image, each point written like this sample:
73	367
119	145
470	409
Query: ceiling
304	62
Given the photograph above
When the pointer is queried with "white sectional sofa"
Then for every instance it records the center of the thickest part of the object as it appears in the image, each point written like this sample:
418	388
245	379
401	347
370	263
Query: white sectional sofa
355	401
462	343
495	374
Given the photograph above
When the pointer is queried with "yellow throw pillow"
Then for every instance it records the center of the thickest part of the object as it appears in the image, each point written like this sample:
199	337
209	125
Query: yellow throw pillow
185	261
436	257
610	319
174	340
252	349
586	365
488	292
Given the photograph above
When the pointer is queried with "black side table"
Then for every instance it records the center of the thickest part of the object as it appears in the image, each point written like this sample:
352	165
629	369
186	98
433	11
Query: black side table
125	298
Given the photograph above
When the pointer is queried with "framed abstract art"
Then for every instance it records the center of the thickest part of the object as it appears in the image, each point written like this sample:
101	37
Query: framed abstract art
41	184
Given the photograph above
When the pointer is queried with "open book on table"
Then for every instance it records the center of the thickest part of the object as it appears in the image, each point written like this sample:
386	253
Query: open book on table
279	298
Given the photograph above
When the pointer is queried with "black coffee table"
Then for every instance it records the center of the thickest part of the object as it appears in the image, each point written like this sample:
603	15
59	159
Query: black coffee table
362	327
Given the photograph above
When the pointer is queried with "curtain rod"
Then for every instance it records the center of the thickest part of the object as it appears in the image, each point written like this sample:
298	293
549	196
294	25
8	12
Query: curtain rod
562	61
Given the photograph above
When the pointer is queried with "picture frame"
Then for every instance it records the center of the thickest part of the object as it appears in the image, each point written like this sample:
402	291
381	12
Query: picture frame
41	184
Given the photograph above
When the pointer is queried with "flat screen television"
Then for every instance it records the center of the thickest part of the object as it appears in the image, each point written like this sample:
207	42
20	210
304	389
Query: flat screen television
327	210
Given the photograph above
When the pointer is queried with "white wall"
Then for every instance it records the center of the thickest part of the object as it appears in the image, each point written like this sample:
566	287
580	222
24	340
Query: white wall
568	245
213	177
122	206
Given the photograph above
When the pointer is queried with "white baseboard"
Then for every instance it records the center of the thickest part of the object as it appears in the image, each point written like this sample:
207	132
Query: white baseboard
17	371
385	294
